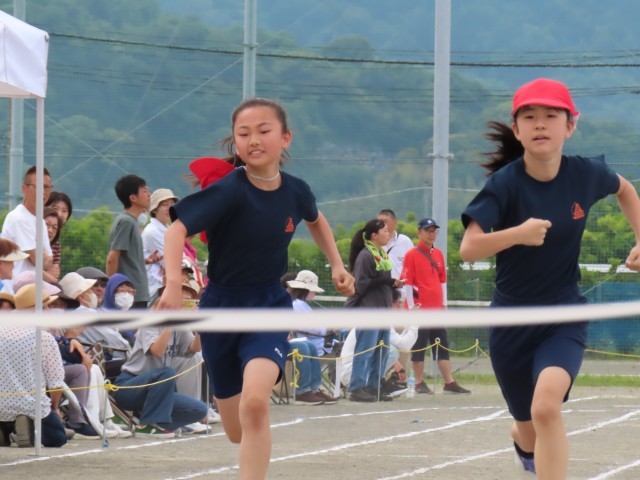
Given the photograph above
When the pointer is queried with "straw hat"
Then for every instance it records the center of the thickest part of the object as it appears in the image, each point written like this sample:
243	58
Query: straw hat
26	298
306	280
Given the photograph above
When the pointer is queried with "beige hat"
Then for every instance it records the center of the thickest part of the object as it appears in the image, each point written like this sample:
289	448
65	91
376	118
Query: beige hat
25	298
306	280
73	284
14	256
160	195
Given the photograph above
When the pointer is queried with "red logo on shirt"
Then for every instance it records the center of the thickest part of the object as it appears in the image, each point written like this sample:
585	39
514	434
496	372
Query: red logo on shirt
289	228
576	211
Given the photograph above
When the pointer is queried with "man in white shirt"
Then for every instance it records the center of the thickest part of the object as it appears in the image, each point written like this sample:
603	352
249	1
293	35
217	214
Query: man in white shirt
20	224
399	244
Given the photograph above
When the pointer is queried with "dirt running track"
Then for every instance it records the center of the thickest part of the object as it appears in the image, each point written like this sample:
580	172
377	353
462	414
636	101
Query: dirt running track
430	436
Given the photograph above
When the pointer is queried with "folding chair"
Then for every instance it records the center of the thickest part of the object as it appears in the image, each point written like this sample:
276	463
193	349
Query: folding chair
280	392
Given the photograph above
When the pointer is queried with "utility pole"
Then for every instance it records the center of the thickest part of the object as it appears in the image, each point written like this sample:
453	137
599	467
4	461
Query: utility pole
250	45
441	93
16	141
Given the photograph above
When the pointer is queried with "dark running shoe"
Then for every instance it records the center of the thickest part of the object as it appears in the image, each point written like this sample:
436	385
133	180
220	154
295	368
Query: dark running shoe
328	399
384	397
454	388
308	398
362	395
392	389
25	433
422	388
523	463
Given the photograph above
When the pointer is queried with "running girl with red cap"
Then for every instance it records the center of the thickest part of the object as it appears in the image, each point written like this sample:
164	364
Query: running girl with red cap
531	214
249	216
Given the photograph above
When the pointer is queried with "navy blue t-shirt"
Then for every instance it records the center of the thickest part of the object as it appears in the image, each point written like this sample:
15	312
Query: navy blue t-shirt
510	197
248	229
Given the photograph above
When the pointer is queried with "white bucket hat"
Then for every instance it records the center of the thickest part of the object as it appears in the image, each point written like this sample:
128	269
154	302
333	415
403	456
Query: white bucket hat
160	195
73	284
306	280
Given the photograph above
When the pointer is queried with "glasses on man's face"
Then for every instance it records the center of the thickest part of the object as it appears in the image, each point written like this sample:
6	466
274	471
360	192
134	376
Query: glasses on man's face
47	188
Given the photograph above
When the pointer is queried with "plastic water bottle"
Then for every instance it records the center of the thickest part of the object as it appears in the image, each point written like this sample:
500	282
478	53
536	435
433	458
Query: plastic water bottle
411	384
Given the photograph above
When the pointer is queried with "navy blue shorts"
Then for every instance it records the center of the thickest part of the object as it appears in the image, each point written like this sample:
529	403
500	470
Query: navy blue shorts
519	354
226	354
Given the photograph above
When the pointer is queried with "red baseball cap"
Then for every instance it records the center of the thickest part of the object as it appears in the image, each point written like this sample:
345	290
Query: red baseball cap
545	92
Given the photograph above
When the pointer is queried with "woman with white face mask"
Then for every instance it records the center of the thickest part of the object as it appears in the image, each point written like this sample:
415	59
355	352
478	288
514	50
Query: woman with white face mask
119	295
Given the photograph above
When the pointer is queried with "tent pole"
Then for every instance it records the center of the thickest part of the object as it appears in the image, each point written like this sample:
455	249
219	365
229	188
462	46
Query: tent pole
39	265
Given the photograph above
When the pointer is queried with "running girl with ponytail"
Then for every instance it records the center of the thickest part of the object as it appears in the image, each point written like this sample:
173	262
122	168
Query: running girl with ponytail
531	214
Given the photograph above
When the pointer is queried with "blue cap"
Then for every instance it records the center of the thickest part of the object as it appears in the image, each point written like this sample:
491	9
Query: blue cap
426	223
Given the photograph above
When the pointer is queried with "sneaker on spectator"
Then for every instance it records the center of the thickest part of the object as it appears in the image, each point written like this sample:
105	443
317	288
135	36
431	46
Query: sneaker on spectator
25	433
384	397
213	416
328	399
69	433
308	398
153	431
524	464
84	431
393	389
192	428
422	388
453	387
112	426
362	395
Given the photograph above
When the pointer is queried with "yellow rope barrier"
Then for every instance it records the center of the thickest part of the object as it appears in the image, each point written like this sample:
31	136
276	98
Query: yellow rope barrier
107	386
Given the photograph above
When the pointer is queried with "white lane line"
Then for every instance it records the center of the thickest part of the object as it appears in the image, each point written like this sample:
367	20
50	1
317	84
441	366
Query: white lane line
134	447
613	472
345	446
470	458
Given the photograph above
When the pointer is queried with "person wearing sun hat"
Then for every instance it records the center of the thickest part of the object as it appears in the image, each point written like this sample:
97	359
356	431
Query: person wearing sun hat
153	235
78	288
531	214
9	254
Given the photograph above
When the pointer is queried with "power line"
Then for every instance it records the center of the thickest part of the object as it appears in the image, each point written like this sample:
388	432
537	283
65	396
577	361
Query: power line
373	61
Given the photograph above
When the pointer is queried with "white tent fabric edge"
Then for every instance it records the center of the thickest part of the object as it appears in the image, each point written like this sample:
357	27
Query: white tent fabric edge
24	51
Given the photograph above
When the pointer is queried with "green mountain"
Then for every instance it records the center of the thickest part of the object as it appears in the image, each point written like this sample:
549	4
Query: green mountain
146	86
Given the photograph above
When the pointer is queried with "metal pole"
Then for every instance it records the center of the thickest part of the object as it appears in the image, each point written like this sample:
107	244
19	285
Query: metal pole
16	140
250	45
39	263
441	155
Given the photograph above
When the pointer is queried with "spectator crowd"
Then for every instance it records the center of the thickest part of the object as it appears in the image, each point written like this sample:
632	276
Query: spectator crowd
390	272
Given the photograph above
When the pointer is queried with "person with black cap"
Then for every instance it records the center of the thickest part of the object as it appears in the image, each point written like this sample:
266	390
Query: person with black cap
92	273
425	274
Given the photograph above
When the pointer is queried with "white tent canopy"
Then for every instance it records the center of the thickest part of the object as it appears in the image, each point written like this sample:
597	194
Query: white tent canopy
23	74
23	59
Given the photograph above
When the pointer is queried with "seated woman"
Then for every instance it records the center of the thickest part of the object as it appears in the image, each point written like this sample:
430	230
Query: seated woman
17	374
162	408
302	288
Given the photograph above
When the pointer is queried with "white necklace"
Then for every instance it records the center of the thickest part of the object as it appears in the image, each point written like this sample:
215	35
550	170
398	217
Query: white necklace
264	179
